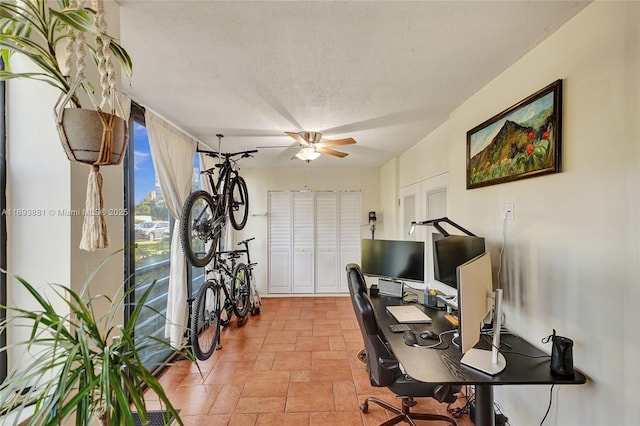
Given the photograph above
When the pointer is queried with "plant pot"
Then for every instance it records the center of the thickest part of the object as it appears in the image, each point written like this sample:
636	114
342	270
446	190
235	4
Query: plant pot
81	134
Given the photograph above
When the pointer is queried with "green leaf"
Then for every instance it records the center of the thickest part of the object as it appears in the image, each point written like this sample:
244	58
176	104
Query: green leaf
122	57
77	19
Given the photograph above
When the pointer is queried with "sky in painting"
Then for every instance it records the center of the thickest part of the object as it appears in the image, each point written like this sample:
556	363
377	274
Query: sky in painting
482	138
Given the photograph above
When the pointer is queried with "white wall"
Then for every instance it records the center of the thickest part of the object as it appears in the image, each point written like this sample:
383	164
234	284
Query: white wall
389	196
38	178
572	252
261	181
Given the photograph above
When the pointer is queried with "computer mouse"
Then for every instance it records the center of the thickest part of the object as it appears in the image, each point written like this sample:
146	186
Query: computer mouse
428	334
409	338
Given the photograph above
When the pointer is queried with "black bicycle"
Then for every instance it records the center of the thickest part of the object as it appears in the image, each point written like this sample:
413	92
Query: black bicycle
217	300
204	214
244	273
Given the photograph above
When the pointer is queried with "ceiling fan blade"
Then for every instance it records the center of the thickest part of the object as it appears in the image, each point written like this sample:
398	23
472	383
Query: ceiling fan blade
336	142
331	152
298	138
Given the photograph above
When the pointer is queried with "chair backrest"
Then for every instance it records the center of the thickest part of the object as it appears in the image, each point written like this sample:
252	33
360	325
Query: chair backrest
355	278
382	365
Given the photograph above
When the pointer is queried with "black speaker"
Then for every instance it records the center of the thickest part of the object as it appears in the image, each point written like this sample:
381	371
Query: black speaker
561	355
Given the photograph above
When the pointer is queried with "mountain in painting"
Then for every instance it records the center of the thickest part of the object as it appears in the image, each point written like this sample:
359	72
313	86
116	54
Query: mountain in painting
517	148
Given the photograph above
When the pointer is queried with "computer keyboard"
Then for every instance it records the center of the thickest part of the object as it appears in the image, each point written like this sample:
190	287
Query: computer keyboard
399	328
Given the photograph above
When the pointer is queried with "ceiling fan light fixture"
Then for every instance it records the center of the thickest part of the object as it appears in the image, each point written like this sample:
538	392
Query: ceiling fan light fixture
311	137
308	154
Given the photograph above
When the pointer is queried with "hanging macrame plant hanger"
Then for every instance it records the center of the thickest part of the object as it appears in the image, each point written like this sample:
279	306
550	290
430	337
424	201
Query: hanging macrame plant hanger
96	137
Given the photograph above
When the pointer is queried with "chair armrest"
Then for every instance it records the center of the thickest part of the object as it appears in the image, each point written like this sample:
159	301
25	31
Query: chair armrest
388	363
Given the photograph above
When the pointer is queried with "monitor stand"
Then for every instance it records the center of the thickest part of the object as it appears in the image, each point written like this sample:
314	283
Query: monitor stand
491	362
481	359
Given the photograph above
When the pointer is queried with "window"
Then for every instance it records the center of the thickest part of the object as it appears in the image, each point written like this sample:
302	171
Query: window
149	233
148	236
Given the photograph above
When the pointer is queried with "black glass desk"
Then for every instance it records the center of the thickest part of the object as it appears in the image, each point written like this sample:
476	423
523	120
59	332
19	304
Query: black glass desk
443	366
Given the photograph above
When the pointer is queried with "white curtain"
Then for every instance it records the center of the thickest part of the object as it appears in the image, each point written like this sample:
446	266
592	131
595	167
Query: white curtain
173	154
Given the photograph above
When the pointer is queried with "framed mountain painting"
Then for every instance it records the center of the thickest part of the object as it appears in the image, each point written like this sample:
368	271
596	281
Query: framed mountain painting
521	142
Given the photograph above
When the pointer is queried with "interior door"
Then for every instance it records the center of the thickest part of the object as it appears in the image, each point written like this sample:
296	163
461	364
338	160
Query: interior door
303	242
349	236
280	232
327	242
409	212
433	196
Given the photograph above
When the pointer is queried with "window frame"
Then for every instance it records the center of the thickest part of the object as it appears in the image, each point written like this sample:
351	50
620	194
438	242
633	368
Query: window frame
137	114
3	221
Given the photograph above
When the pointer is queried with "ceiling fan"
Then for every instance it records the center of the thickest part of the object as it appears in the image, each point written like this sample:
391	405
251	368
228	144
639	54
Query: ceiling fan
311	145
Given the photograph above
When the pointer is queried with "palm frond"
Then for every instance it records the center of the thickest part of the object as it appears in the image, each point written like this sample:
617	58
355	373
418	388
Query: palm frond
81	366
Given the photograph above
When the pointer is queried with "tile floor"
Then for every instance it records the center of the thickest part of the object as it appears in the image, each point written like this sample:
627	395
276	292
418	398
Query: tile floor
294	364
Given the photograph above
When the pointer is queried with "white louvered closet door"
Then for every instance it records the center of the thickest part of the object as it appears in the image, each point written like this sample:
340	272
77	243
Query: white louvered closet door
303	242
327	246
349	235
312	236
280	233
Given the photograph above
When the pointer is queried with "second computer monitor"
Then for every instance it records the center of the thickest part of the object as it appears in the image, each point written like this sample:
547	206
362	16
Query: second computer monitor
452	251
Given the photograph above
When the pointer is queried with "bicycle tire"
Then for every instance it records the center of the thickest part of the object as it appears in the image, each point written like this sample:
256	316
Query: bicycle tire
205	321
199	228
241	284
238	203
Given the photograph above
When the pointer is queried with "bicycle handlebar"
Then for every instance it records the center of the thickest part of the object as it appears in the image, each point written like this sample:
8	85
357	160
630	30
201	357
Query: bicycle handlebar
244	154
246	241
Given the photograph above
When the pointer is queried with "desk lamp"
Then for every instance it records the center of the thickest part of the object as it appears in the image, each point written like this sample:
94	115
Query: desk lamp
436	224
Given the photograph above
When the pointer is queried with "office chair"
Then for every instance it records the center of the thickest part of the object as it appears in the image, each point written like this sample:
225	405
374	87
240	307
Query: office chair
360	284
384	368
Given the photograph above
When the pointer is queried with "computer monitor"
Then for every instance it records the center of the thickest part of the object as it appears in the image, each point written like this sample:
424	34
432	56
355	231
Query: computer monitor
403	260
452	251
475	292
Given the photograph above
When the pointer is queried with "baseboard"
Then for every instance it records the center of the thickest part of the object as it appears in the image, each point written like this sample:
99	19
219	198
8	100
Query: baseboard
279	295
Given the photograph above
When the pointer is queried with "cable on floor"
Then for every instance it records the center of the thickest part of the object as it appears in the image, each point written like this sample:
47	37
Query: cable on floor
549	406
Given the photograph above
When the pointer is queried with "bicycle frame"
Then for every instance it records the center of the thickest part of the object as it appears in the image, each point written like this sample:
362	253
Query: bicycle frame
225	273
226	171
254	297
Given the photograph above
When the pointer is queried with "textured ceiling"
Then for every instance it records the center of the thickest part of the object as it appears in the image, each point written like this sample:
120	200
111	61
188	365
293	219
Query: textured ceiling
384	73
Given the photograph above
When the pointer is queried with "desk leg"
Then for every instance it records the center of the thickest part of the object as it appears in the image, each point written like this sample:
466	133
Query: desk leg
485	416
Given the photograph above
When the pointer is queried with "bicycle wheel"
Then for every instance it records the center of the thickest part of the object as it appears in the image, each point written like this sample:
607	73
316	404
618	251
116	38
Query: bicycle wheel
238	203
240	289
199	228
205	320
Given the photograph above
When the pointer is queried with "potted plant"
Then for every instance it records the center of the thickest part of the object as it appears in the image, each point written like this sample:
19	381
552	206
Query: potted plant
97	136
42	33
81	364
